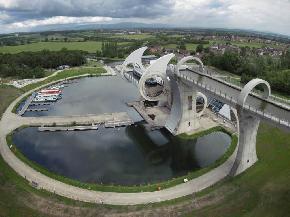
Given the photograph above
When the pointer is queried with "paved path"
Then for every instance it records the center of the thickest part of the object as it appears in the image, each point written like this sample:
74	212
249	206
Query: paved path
11	121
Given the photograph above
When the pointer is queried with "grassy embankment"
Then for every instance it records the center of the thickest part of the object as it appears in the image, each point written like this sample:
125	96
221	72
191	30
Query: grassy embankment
137	188
264	189
7	95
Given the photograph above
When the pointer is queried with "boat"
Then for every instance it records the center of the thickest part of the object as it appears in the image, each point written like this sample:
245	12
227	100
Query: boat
45	99
50	91
49	94
61	86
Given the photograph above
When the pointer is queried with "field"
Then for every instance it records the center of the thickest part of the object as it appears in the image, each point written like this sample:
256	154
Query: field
134	36
89	46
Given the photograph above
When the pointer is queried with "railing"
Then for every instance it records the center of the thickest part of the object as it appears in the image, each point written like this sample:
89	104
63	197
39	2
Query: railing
267	115
131	78
274	99
232	100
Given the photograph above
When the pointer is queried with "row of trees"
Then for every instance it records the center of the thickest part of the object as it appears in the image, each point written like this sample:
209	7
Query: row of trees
32	64
276	70
113	49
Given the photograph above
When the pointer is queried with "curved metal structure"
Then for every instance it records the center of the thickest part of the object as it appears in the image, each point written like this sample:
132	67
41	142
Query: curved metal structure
188	58
156	69
250	86
135	58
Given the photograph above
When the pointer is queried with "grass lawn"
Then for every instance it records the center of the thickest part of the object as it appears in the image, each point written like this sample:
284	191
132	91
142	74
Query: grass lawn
264	189
89	46
170	46
7	95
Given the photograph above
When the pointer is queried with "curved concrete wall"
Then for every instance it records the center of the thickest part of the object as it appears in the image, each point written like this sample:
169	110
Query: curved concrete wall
134	58
158	68
188	58
250	86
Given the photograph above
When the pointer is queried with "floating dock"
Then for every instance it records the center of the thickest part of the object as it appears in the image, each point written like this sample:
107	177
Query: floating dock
37	109
26	104
69	128
118	123
39	104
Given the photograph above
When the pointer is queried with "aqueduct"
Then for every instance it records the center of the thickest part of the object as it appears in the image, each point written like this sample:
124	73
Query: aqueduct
181	87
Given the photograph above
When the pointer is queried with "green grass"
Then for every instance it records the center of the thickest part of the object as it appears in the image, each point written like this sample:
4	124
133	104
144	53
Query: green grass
66	74
170	46
89	46
263	190
7	95
141	188
141	36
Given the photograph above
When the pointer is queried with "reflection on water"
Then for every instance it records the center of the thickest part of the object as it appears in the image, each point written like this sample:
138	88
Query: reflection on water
125	156
95	95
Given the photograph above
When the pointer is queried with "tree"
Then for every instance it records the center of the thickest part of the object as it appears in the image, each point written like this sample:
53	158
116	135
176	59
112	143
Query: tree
199	48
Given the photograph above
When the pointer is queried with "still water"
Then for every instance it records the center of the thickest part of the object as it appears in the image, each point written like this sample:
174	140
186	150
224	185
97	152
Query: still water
95	95
126	156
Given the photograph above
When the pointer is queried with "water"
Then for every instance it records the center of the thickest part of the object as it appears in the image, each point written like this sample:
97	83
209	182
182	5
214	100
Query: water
96	95
126	156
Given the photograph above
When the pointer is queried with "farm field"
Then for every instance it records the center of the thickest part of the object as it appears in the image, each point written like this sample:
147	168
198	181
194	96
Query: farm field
89	46
134	36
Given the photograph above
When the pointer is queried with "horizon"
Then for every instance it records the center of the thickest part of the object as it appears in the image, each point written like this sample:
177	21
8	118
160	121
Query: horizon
261	16
147	26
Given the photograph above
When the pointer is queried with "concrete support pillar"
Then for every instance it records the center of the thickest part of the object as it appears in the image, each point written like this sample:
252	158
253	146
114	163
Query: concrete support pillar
189	120
247	126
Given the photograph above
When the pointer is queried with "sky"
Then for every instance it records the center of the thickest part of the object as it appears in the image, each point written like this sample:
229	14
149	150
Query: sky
261	15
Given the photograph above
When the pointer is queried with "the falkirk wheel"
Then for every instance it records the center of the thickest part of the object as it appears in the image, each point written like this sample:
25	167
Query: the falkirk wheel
180	87
179	96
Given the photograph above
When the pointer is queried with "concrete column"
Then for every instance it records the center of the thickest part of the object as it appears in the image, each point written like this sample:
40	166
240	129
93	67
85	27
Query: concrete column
247	126
189	120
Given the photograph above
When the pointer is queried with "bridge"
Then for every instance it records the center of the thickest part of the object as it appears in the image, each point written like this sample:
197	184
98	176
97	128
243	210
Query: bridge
181	87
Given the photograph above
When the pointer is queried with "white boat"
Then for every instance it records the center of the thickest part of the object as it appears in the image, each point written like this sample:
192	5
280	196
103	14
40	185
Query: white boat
61	86
45	99
57	95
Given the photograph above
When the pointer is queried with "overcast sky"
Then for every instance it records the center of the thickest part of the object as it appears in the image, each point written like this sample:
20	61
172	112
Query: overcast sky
262	15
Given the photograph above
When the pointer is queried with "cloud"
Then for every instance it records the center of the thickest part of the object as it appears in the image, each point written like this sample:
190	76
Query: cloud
263	15
76	8
59	20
